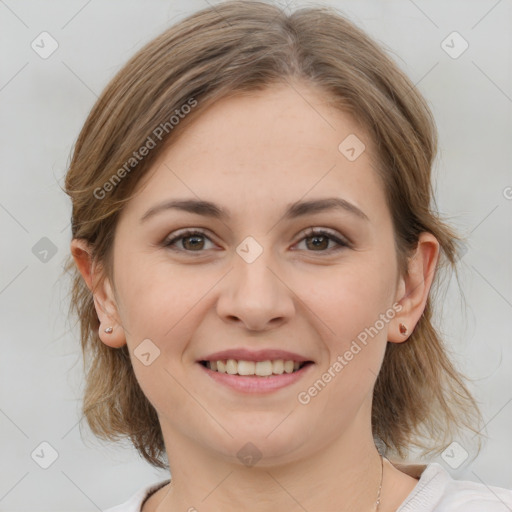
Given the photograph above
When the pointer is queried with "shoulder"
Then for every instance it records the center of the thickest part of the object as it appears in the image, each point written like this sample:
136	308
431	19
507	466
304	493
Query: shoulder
134	503
469	496
437	491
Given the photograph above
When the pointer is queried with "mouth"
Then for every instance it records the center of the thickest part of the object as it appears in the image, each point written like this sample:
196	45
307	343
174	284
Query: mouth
255	371
245	368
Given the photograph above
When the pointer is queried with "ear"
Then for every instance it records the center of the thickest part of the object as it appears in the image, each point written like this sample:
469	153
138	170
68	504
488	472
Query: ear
413	288
104	299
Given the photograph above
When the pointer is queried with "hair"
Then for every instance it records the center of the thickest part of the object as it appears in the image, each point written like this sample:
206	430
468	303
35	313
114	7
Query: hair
239	47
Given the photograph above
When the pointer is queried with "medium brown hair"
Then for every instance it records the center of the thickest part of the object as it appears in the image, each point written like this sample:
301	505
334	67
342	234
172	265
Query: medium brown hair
238	47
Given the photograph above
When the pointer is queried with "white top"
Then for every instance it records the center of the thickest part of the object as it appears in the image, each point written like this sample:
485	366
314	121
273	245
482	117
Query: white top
436	491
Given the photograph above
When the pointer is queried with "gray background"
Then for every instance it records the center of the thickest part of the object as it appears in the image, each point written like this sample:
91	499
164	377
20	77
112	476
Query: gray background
43	104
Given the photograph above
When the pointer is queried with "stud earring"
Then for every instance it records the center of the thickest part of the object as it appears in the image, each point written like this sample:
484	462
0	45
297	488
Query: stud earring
403	329
109	330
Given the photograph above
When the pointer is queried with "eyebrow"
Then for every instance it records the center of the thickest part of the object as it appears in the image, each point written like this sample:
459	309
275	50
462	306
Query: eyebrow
293	210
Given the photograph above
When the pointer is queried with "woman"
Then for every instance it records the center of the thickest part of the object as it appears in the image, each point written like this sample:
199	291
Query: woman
255	251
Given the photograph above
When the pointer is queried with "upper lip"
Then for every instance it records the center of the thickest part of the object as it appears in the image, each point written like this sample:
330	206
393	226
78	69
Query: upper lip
254	355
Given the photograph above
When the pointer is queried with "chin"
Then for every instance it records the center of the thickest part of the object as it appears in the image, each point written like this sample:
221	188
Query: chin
262	445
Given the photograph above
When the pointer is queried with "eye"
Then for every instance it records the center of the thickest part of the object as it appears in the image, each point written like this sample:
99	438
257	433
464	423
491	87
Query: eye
320	239
192	241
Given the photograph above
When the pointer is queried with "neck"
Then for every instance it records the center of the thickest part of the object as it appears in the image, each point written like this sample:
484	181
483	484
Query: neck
350	471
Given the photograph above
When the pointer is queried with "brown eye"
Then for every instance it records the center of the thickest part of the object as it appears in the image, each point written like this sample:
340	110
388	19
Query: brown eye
191	241
318	241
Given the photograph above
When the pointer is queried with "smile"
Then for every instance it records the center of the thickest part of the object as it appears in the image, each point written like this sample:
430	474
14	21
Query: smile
255	377
254	368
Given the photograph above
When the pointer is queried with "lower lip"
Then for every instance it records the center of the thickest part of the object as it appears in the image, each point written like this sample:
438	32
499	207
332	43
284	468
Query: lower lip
254	384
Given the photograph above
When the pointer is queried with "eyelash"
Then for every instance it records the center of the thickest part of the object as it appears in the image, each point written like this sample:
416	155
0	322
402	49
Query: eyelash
309	233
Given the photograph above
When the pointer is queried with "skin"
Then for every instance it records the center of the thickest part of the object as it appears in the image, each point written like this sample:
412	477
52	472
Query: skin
253	155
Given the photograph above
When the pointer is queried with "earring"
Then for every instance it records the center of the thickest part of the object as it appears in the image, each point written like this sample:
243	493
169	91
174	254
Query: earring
109	330
403	329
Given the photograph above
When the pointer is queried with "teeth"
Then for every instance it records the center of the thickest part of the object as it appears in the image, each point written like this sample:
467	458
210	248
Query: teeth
259	368
246	367
231	366
278	367
263	368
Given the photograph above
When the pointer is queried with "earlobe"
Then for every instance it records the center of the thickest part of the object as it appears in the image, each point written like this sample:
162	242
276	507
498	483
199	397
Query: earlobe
412	294
110	330
113	336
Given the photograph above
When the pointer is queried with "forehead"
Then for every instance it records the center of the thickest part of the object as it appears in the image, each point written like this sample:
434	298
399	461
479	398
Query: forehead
296	119
270	146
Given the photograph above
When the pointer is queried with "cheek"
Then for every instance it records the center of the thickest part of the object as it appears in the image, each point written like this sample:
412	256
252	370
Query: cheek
350	298
349	305
158	304
156	297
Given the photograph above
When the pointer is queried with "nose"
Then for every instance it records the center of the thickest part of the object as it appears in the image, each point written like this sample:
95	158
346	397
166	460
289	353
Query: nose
255	295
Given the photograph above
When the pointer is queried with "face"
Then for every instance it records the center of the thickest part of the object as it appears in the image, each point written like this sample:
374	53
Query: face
265	280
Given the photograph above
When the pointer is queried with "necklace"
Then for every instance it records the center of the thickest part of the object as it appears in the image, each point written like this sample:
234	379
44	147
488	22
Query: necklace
377	503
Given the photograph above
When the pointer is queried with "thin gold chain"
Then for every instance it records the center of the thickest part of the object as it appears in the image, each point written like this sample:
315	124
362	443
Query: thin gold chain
377	503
